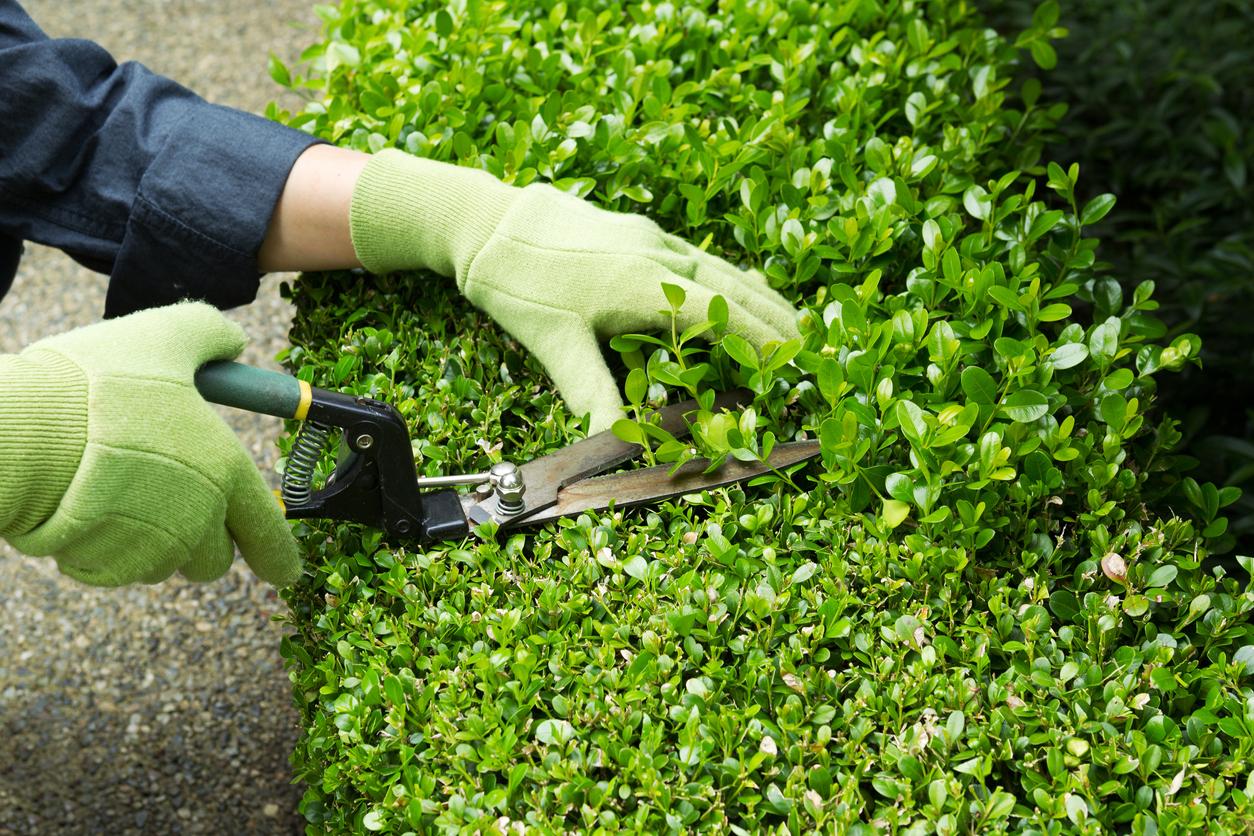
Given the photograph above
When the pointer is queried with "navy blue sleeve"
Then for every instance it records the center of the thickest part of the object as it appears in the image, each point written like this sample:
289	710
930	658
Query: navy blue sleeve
131	173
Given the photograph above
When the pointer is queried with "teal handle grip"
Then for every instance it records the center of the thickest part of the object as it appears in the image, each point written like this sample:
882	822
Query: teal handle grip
250	388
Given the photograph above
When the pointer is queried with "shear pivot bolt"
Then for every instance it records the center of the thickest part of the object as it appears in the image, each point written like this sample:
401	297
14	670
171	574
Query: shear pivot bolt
365	442
508	482
502	469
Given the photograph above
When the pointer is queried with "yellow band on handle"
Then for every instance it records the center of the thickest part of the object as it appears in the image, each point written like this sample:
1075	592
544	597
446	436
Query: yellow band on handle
306	398
279	496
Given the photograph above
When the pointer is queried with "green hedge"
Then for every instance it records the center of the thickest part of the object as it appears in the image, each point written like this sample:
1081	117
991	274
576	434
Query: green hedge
975	613
1162	115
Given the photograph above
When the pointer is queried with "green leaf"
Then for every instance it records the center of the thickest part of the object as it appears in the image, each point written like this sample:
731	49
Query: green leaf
860	370
1054	313
975	199
1024	406
1005	297
1245	657
394	691
931	235
1096	209
954	727
852	318
1046	15
782	355
657	433
1044	223
516	776
741	351
638	193
629	431
1104	341
830	376
1193	491
1114	411
895	512
1000	806
1199	605
1068	355
717	313
952	266
1043	54
912	422
1037	466
1064	605
278	71
916	106
878	155
1161	577
1010	348
554	732
344	368
637	387
675	295
979	386
345	54
694	330
942	344
443	23
681	623
1030	92
804	572
636	567
900	486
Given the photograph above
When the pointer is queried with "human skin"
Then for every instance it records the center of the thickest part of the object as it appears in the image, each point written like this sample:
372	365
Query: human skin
310	226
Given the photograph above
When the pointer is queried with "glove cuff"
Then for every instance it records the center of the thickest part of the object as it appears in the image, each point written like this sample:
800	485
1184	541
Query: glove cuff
412	213
43	431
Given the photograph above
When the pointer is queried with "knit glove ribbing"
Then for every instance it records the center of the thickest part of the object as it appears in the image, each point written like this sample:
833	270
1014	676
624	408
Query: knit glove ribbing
557	273
117	468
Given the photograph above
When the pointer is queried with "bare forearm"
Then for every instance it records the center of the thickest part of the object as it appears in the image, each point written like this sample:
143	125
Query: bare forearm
310	228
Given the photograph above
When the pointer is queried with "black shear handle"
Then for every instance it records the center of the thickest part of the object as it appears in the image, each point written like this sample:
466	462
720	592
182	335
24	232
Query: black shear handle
376	483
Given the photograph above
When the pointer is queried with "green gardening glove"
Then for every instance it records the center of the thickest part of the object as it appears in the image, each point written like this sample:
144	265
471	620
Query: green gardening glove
556	272
115	465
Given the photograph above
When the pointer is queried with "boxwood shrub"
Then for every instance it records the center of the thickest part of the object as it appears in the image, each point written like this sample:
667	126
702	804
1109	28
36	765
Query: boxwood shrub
1162	115
988	607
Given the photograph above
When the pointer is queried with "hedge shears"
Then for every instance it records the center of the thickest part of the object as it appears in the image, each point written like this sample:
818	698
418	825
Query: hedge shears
376	483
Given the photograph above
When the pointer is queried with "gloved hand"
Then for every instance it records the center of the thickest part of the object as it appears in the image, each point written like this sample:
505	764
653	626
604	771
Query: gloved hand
556	272
114	464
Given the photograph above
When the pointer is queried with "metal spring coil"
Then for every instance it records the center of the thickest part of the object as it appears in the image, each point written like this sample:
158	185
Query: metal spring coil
302	462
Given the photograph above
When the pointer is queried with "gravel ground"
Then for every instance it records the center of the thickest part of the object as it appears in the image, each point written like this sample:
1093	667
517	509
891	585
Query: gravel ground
150	710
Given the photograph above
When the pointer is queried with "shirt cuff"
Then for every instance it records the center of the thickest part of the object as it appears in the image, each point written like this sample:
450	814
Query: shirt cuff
202	211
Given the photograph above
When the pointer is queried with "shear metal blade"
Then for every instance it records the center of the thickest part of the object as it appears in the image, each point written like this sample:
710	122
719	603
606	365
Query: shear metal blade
548	475
651	484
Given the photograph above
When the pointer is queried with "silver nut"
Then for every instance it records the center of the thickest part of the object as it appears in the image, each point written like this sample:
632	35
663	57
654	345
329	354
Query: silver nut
365	442
510	488
507	481
500	470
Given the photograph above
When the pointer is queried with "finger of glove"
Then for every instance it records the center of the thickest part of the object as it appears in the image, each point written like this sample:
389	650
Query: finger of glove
211	558
566	345
575	237
748	289
256	522
168	343
573	359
